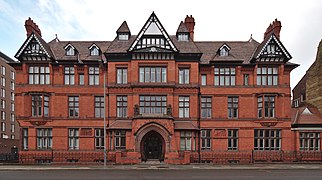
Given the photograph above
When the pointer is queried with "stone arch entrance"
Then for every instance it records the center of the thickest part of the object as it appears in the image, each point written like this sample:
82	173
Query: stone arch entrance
152	146
152	141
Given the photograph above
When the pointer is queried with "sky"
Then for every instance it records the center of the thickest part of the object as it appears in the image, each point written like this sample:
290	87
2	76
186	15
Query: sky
216	20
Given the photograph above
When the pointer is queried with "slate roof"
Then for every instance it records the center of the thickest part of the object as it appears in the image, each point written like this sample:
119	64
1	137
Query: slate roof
307	114
240	51
58	48
182	28
124	28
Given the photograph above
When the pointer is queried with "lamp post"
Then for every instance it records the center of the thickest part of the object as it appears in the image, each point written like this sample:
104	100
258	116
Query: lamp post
102	63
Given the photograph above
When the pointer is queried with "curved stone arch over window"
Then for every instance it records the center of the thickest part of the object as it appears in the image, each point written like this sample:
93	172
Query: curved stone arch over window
141	132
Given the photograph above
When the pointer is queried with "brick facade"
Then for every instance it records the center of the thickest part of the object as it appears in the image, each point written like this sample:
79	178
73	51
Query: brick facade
168	97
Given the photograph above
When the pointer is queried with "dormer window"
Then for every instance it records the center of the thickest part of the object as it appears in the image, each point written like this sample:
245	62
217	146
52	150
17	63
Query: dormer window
183	37
70	50
94	51
224	50
123	36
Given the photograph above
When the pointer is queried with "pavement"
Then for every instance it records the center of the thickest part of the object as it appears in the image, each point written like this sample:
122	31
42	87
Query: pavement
316	166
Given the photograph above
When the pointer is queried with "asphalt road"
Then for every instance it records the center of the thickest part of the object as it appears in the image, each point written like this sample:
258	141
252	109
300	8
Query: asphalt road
164	174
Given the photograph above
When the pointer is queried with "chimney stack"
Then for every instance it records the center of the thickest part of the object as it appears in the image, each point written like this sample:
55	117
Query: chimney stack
31	26
190	24
275	28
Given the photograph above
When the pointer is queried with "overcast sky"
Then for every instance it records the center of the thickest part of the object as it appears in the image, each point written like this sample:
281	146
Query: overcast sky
231	20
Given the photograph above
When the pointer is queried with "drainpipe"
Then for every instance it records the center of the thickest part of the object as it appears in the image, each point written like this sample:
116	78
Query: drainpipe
198	119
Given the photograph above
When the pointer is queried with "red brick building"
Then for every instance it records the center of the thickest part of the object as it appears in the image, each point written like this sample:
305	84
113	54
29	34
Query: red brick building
168	97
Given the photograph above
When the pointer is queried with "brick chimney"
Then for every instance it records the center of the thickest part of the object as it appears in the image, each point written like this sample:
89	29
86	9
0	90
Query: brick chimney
31	26
190	24
275	28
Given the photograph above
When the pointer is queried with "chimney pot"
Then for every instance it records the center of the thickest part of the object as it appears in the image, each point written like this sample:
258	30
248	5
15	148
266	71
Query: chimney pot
31	26
190	24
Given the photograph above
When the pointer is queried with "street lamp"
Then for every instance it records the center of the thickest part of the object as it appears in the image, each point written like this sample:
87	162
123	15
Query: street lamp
102	63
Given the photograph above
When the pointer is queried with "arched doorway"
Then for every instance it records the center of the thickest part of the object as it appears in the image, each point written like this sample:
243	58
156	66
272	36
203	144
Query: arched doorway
152	146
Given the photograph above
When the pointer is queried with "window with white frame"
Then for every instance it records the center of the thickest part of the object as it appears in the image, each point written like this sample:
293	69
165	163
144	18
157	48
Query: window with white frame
185	140
73	138
12	85
123	36
3	92
3	104
267	139
183	37
246	79
225	76
153	74
206	105
39	105
12	129
232	107
266	106
3	81
3	115
39	75
153	104
184	76
93	75
3	70
184	107
99	106
121	106
12	117
81	79
12	75
73	106
232	139
267	76
223	51
69	76
203	80
119	139
3	126
94	51
206	139
99	138
121	76
70	51
44	138
310	141
24	138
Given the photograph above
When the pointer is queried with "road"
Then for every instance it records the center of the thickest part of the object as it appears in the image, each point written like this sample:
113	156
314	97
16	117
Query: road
164	174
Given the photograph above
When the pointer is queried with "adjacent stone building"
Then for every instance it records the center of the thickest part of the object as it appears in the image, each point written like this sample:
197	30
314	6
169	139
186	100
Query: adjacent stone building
167	97
9	127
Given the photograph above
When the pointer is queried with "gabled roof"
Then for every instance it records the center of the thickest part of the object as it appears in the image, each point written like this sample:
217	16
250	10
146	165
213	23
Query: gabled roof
153	27
263	47
306	115
93	45
70	45
124	28
182	28
43	45
240	51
